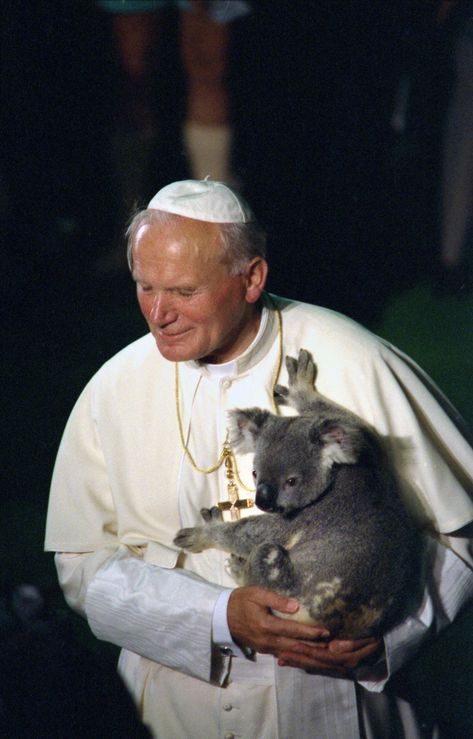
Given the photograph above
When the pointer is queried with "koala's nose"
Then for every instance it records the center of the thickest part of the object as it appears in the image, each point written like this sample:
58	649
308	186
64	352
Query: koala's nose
265	496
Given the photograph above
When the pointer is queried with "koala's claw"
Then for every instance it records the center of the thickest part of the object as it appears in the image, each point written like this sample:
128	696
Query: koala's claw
280	394
211	514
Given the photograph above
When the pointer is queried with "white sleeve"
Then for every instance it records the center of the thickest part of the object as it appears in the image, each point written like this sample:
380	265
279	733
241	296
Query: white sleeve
162	614
448	590
221	635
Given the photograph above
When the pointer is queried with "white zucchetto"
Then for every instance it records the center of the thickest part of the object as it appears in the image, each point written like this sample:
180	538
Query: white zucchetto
203	200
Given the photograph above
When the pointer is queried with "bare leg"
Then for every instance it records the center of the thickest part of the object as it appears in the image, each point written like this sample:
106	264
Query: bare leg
207	130
135	37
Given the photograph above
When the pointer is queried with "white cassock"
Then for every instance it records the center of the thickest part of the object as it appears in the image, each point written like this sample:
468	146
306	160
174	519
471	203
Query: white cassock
122	487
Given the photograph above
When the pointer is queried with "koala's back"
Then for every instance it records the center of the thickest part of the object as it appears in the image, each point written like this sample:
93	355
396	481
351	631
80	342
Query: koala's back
356	555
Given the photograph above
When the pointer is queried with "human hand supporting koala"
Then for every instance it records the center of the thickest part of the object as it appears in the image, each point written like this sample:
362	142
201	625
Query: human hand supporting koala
338	658
252	624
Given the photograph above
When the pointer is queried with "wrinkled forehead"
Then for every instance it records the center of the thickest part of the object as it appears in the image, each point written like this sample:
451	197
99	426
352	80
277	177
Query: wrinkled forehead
184	237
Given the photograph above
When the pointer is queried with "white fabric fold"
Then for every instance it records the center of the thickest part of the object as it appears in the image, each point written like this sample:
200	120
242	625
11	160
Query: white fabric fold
164	615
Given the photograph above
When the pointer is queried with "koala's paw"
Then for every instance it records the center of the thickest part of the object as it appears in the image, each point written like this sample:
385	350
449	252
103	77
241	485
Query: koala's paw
302	373
281	394
211	514
193	540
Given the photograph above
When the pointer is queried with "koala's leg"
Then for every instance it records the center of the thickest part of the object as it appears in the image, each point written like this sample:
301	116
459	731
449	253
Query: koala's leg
302	394
270	566
237	537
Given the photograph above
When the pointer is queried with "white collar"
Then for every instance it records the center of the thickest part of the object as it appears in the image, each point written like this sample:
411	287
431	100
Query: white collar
253	354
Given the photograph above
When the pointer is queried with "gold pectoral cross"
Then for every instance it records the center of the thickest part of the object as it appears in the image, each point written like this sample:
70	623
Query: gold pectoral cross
234	504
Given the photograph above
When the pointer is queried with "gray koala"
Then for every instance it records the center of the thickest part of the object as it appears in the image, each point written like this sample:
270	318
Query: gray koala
336	535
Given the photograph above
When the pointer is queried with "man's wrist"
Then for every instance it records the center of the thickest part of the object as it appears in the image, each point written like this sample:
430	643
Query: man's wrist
221	635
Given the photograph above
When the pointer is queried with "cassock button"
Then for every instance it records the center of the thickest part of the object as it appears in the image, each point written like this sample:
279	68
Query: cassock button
226	384
229	735
227	706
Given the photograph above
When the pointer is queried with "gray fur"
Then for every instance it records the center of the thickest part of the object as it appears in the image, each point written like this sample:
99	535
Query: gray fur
335	535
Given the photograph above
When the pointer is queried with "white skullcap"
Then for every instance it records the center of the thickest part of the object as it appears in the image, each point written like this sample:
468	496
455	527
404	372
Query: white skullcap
204	200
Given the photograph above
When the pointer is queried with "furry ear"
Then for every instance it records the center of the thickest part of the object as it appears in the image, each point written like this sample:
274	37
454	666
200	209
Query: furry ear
339	442
245	426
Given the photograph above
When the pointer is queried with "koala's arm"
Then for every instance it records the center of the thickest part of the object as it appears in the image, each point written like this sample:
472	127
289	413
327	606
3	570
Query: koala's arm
238	537
449	589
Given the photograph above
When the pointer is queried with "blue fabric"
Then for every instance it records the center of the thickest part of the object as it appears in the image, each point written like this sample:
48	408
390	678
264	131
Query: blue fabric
132	6
220	11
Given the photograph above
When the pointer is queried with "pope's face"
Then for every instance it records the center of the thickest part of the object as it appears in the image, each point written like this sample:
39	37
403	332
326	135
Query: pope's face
194	308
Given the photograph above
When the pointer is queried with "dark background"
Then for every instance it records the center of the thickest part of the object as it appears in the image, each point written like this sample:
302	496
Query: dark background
351	207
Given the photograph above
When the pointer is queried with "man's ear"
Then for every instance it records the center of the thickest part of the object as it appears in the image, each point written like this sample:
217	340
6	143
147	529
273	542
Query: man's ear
244	428
256	273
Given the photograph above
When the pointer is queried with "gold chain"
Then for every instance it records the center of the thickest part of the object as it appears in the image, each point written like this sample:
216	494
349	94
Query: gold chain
226	456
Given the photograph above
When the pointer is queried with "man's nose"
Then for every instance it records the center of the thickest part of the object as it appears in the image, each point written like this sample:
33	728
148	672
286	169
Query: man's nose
162	308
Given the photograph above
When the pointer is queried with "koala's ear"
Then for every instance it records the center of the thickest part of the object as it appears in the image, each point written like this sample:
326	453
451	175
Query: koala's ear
340	443
245	426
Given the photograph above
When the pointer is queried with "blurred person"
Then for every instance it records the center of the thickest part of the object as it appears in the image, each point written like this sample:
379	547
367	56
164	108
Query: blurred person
204	36
145	448
457	153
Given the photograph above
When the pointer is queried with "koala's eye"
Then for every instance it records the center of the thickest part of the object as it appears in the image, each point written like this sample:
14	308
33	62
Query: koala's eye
291	481
254	474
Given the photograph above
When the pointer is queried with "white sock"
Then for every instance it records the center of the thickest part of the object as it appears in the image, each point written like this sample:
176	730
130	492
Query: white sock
209	150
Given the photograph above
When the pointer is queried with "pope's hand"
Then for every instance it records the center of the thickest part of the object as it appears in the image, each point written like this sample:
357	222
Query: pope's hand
294	644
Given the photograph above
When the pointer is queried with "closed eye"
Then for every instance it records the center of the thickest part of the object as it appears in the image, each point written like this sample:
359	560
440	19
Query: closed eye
185	293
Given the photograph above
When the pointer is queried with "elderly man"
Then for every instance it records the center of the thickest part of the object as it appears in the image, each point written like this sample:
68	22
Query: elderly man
146	448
